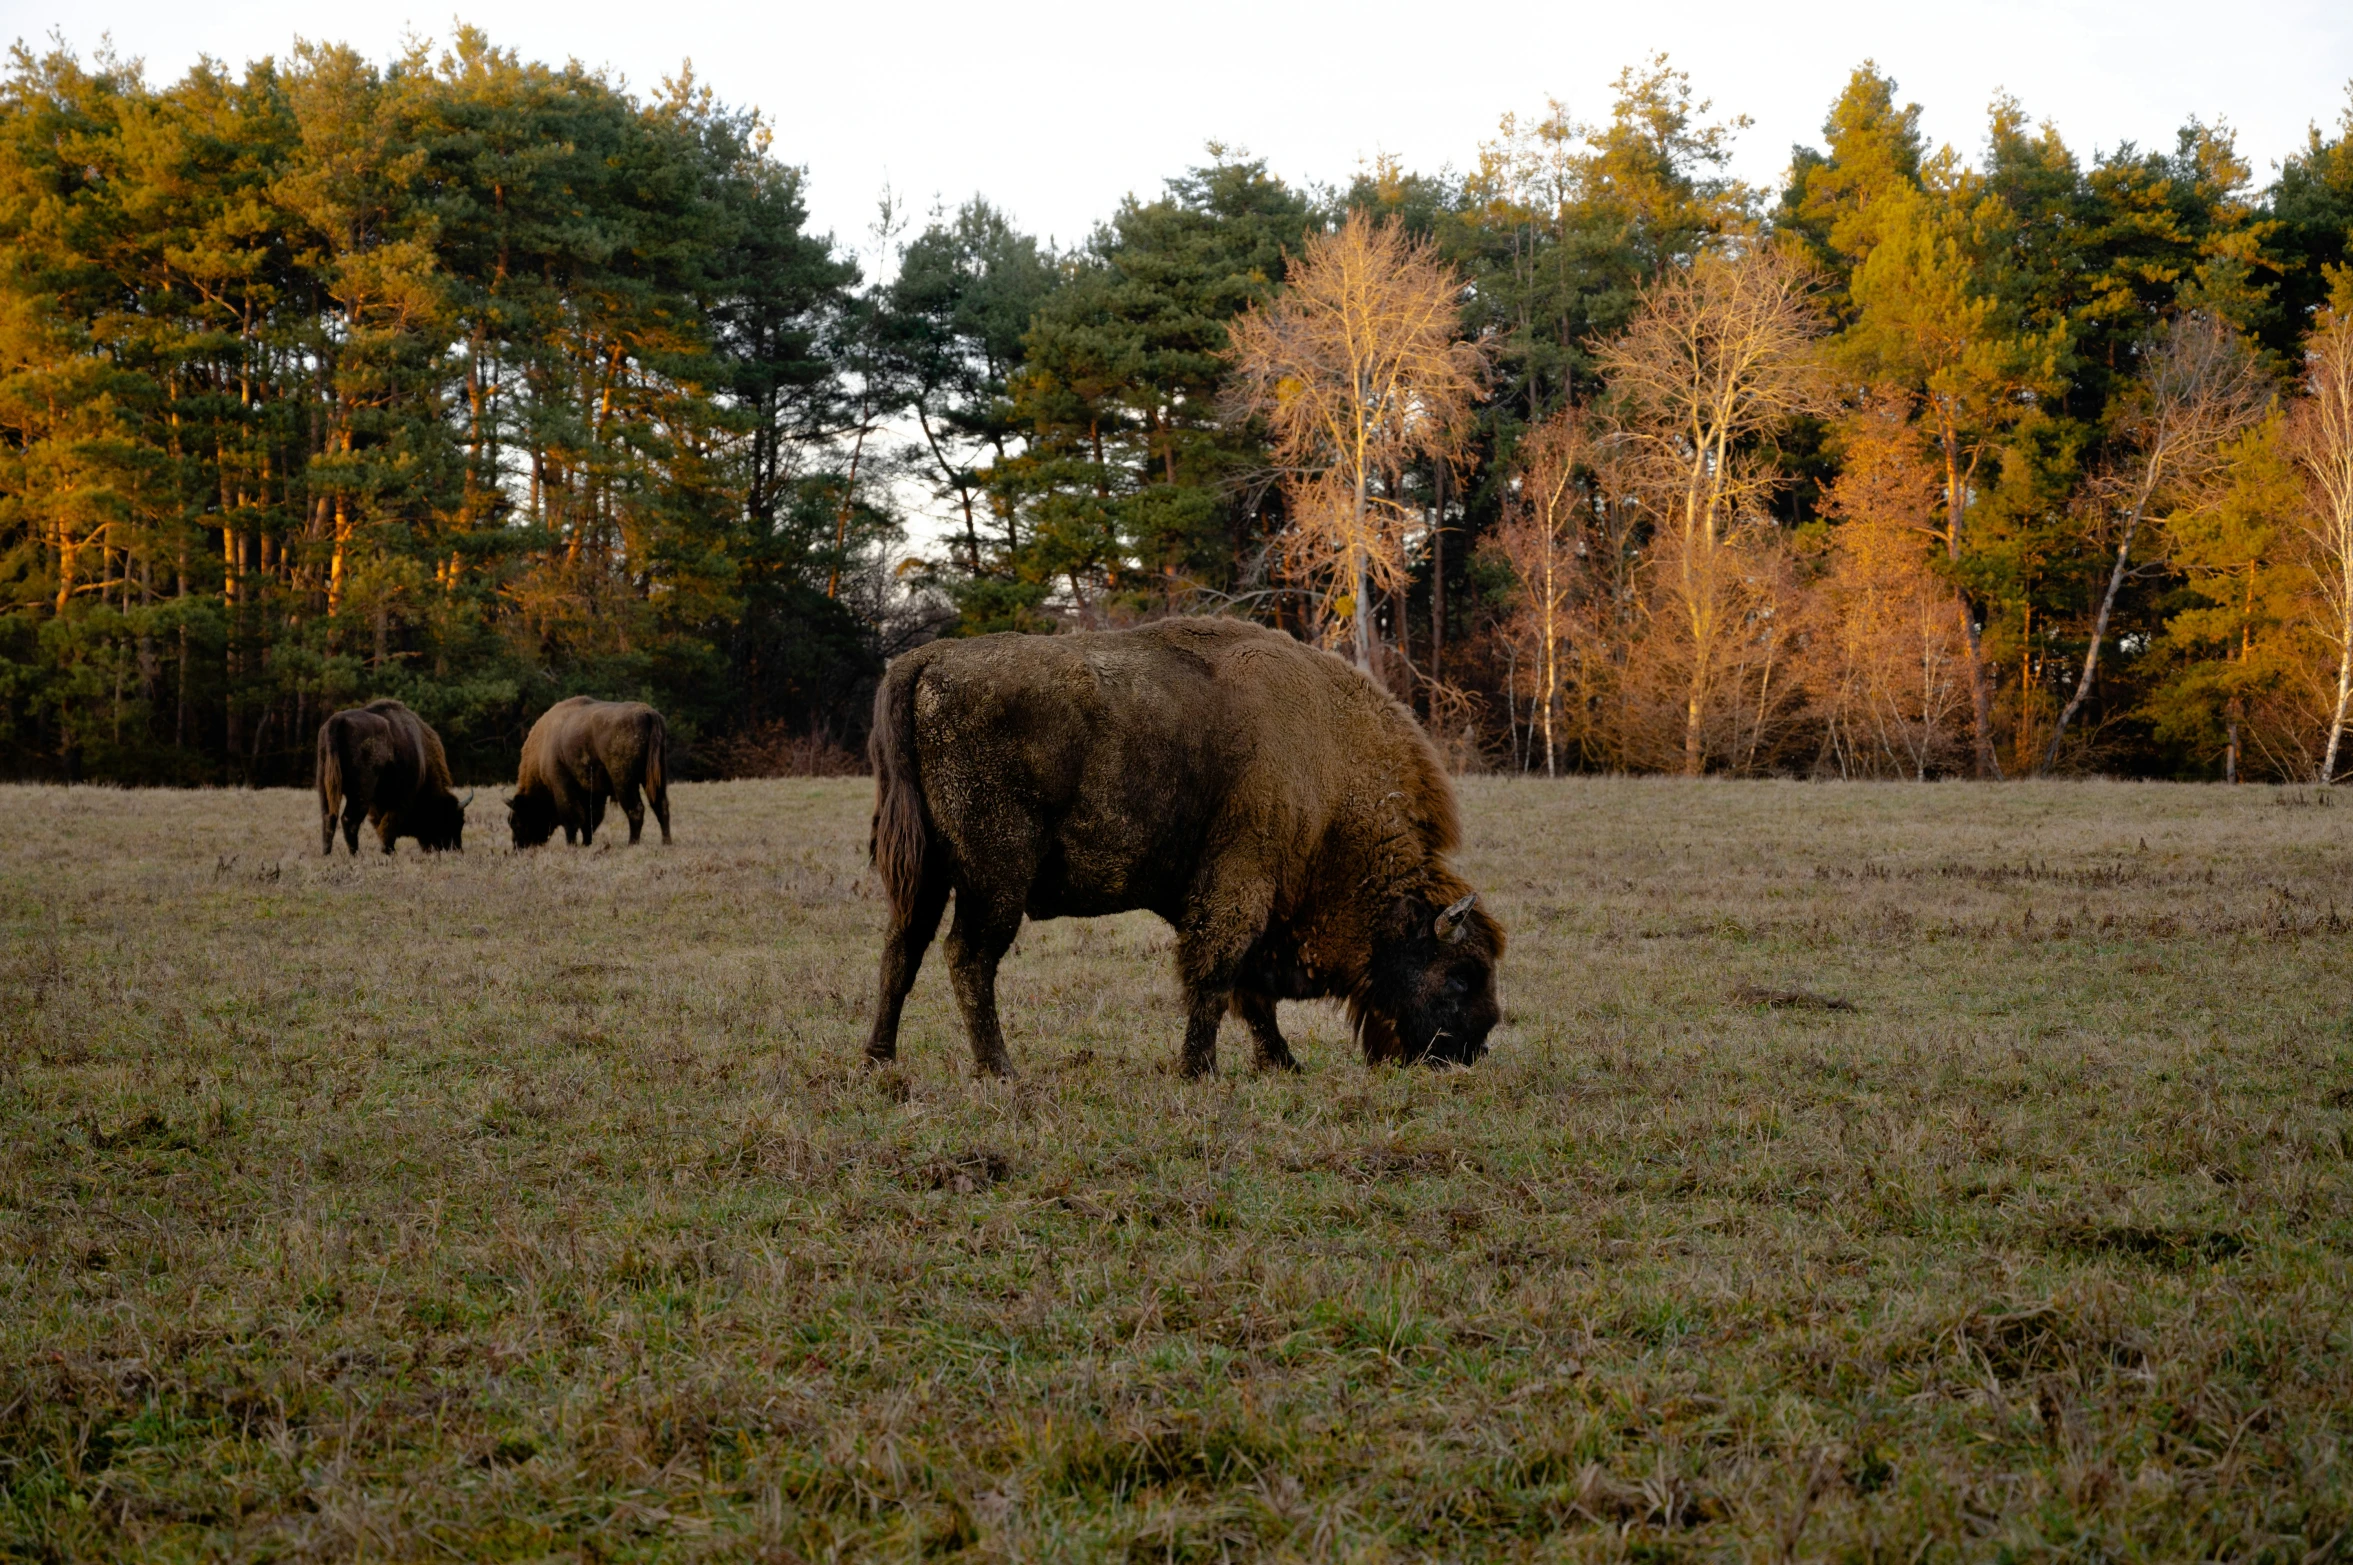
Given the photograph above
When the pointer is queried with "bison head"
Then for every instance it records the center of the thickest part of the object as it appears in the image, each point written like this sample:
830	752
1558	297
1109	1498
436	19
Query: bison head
1429	992
441	822
531	816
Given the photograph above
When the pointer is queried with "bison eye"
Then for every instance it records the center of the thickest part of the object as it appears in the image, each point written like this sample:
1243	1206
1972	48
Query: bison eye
1457	986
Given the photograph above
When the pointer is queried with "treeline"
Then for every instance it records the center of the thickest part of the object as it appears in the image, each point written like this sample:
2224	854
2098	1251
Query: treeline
481	383
463	380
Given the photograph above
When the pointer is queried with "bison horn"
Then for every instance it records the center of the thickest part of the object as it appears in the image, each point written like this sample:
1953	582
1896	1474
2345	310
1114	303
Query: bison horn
467	802
1453	924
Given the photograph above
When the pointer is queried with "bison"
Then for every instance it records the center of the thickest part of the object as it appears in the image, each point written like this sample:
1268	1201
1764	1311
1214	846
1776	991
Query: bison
384	763
581	753
1279	809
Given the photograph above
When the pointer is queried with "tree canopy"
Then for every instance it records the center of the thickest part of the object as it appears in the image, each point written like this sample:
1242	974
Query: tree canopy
481	382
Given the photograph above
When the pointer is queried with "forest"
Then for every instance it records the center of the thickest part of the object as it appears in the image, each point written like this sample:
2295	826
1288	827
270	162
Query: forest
481	383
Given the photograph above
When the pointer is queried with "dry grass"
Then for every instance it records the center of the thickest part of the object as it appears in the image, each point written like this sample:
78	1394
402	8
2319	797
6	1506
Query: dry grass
508	1207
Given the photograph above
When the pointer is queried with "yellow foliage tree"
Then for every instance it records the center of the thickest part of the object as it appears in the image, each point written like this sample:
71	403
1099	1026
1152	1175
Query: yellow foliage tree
1720	358
1357	369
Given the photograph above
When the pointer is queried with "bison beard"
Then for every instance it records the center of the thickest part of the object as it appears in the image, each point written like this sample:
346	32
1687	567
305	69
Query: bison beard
1273	804
383	763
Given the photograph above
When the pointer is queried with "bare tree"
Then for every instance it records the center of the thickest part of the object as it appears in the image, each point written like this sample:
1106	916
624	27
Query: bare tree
1540	539
2320	433
1356	367
2200	389
1720	357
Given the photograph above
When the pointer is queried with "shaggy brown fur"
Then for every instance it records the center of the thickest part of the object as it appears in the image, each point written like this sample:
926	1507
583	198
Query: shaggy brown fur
1279	809
581	753
384	763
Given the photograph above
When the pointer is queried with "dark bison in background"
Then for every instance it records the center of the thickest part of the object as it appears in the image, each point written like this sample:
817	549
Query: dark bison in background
384	763
581	753
1278	808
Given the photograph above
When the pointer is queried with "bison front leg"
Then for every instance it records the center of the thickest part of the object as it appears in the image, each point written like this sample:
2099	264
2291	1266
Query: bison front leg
1257	1012
1220	927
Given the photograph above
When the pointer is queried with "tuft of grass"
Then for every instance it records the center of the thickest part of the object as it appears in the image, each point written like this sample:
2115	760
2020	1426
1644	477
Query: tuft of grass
1861	1172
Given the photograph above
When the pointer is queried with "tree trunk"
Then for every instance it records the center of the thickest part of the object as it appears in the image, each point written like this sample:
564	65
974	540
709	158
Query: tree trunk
336	564
2336	727
69	556
841	516
2091	658
1551	655
1364	617
1981	696
1438	581
1981	699
1356	560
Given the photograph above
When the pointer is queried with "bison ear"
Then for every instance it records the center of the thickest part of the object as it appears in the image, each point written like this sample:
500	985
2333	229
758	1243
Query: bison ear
1454	923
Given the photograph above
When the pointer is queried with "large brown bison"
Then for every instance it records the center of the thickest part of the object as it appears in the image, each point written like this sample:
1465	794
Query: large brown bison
1273	804
382	762
581	753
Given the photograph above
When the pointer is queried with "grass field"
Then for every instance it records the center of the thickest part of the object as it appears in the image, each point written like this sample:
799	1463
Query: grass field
531	1206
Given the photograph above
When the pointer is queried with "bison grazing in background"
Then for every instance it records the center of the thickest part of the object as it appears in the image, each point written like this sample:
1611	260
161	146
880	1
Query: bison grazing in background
1279	809
581	753
384	763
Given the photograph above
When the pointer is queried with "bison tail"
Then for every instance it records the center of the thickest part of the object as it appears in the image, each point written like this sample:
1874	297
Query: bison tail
330	781
657	772
901	836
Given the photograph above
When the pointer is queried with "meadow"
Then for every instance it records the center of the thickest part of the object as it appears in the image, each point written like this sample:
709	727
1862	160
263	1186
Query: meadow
1864	1172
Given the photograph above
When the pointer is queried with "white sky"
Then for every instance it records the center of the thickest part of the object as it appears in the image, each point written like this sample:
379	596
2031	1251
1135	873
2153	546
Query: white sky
1055	109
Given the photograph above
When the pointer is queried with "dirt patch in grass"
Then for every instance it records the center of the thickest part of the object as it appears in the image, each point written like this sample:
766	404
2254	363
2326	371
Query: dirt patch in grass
1788	999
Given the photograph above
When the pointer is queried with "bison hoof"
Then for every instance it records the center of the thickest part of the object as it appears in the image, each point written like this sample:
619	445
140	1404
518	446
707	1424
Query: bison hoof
1280	1062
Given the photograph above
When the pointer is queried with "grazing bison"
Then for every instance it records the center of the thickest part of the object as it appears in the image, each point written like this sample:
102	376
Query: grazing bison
1273	804
581	753
384	763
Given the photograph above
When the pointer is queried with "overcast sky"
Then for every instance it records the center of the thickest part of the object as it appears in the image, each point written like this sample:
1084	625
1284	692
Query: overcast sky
1057	110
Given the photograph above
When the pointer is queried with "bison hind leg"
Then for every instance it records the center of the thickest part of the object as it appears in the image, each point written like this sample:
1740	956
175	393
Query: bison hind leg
633	806
977	941
903	945
1257	1012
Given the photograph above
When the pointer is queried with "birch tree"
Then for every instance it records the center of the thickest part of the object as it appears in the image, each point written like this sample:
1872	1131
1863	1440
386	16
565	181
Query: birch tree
2199	391
1357	370
1540	539
2320	433
1720	357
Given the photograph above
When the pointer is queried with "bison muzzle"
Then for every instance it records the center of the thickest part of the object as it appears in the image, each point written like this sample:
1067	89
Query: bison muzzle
1280	810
